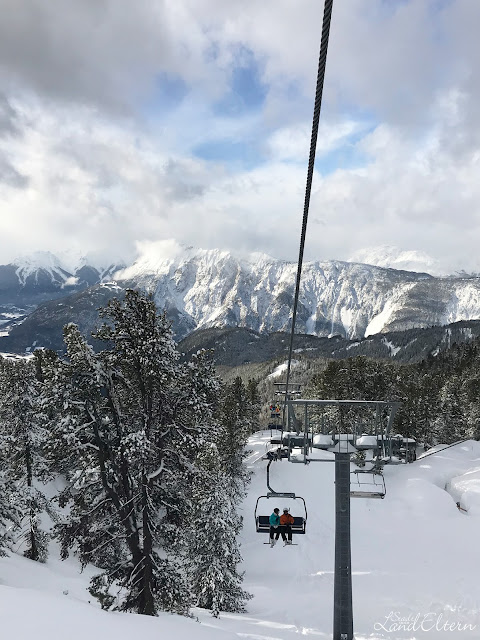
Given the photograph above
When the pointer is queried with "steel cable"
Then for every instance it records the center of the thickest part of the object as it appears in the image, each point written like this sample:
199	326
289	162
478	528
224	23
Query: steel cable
322	61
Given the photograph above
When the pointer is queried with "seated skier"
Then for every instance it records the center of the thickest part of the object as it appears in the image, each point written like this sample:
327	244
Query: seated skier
286	521
274	521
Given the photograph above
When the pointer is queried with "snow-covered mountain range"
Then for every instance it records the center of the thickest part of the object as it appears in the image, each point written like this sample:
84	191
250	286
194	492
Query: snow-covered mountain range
33	279
214	288
42	271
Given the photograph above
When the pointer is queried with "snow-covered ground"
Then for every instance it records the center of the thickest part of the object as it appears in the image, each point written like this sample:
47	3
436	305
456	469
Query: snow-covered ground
282	368
415	559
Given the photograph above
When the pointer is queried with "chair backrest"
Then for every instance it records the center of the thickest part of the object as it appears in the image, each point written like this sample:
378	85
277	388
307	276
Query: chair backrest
264	521
263	524
298	522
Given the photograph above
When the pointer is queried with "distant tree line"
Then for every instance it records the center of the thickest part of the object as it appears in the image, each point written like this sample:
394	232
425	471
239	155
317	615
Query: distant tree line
440	396
150	452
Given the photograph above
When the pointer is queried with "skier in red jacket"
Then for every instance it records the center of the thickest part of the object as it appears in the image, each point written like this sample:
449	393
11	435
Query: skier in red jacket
286	521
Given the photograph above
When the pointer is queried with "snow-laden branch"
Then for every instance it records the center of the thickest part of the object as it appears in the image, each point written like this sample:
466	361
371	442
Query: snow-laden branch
156	473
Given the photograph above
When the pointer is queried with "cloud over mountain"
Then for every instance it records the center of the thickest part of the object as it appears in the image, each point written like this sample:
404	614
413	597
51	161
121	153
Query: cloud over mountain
122	124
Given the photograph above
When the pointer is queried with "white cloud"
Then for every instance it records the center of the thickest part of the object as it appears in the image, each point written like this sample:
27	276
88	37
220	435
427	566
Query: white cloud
293	143
92	161
388	256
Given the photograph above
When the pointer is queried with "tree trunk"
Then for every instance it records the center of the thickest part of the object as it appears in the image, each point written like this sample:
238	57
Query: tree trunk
147	602
33	552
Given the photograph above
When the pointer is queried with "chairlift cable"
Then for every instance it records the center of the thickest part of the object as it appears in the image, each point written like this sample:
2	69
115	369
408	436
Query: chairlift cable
322	61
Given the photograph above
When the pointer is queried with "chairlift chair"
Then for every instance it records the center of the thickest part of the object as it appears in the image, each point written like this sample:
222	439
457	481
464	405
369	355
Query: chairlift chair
262	522
275	454
369	483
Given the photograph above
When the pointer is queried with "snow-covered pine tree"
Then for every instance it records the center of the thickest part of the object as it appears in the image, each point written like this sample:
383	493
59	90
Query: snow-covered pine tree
236	424
135	419
214	551
219	486
10	508
450	424
23	436
254	405
471	387
10	513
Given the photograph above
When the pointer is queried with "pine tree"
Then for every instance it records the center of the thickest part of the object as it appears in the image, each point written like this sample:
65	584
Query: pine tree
472	393
450	424
254	405
23	437
219	486
60	413
214	550
10	513
134	419
235	426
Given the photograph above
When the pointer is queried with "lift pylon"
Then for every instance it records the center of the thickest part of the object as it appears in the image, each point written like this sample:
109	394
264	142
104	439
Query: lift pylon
343	449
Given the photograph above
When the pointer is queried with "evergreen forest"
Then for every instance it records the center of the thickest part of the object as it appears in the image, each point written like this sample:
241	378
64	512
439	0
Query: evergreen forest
439	396
148	452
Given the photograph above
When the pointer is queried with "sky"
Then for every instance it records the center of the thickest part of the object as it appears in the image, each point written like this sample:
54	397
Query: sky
125	124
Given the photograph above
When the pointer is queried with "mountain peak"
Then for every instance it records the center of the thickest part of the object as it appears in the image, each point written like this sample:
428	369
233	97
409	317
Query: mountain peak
36	261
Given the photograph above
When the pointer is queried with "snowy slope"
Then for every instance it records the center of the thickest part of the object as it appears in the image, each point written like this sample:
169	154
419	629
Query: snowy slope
412	553
42	277
51	603
414	556
217	288
59	267
43	272
401	551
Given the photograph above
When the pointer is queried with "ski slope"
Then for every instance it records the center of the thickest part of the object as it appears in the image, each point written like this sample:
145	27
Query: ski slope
415	557
413	553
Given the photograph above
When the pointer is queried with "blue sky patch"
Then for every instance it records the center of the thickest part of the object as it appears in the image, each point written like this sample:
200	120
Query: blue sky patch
244	155
168	92
247	91
346	157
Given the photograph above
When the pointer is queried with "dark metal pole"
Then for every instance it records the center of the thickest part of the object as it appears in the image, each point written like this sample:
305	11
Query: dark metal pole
342	591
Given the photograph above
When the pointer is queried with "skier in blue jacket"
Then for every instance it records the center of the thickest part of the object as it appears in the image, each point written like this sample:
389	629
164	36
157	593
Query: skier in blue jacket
274	521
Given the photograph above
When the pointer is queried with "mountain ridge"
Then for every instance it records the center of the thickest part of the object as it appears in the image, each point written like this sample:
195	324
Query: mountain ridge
234	346
201	289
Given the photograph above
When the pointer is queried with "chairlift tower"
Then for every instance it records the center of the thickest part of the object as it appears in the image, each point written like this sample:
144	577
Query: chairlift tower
280	392
343	449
